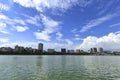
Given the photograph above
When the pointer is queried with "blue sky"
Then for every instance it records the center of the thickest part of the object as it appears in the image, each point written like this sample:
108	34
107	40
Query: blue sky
60	23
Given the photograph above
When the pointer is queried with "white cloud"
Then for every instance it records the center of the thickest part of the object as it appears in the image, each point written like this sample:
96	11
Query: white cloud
96	22
20	43
3	17
40	5
103	8
118	32
77	38
62	5
21	28
4	40
59	35
42	36
33	20
19	21
3	28
69	42
50	26
77	35
108	42
4	7
58	46
114	25
10	21
74	31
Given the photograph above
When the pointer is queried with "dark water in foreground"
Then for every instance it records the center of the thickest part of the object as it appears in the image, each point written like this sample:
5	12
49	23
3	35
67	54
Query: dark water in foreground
60	67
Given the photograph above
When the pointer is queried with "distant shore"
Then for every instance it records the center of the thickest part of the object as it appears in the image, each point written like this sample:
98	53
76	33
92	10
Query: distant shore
82	54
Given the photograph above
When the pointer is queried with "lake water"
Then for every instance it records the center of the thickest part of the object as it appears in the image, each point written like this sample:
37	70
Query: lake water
62	67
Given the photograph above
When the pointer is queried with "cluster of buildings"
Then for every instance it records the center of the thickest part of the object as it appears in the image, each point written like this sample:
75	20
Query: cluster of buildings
95	50
39	50
64	50
21	49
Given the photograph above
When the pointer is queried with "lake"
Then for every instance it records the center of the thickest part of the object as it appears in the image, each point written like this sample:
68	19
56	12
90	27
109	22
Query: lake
61	67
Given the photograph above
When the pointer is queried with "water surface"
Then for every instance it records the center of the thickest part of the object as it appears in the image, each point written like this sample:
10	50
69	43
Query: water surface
62	67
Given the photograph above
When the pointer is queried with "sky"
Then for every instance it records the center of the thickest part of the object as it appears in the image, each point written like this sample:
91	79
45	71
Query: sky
71	24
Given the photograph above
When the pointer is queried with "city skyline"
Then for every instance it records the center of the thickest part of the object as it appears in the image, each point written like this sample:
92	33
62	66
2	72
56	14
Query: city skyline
21	50
62	49
71	24
40	50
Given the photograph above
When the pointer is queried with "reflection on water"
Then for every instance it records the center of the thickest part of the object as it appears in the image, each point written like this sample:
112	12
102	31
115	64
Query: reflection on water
59	67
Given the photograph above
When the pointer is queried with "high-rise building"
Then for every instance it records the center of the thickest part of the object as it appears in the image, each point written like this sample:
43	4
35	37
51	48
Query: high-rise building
63	50
94	50
101	50
40	47
91	50
78	51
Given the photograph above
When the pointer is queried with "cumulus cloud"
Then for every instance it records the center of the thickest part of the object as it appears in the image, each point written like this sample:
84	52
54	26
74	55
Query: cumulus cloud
96	22
21	28
50	26
108	42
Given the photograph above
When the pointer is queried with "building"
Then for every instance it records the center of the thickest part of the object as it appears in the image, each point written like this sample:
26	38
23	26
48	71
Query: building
78	51
91	50
50	50
82	51
94	50
40	47
16	48
29	49
101	50
63	50
70	51
6	49
35	51
19	49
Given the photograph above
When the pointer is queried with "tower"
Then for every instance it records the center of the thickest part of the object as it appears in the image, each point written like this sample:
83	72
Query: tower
40	47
